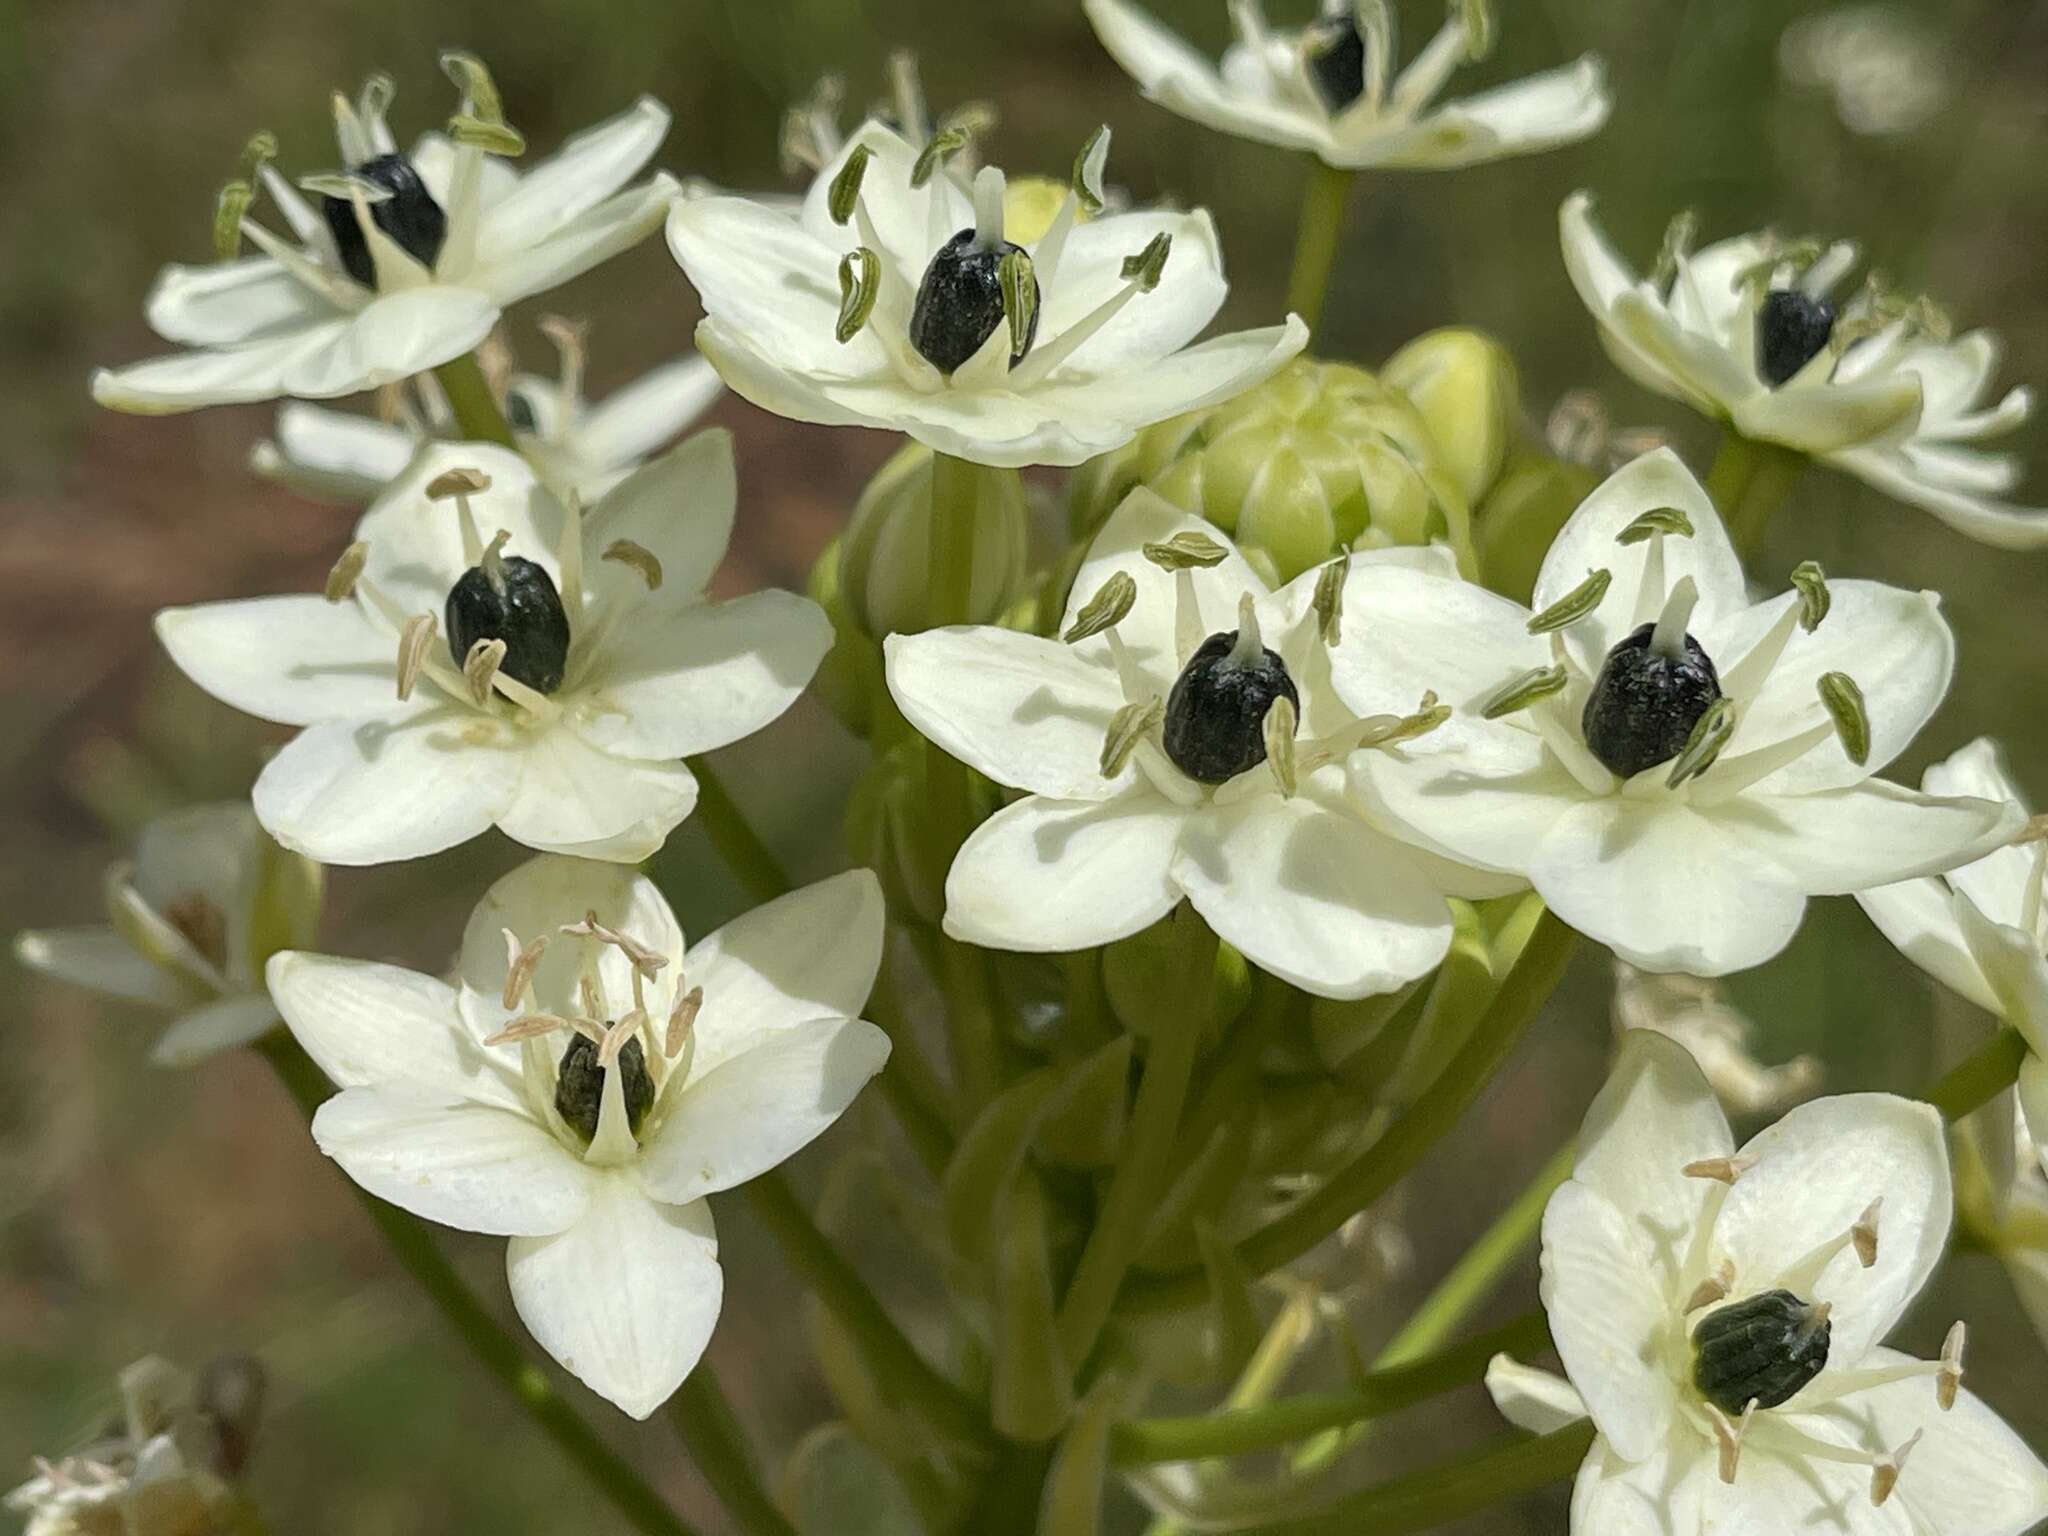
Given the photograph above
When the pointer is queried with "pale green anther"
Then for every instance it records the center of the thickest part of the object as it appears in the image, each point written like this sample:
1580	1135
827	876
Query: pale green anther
492	138
1185	550
1089	165
1329	600
1678	238
1844	701
473	78
1656	520
1574	605
940	148
344	185
1020	293
1814	600
1798	255
1145	267
239	193
1519	692
860	282
1375	20
1476	16
1105	610
844	192
1429	714
1279	727
1929	319
376	96
1710	733
1127	727
973	118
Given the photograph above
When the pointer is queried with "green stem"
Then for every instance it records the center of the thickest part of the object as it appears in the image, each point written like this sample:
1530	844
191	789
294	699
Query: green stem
1240	1432
704	1420
494	1348
1401	1146
1144	1162
898	1368
956	492
1448	1491
1748	482
477	415
737	842
970	1020
1978	1078
1315	243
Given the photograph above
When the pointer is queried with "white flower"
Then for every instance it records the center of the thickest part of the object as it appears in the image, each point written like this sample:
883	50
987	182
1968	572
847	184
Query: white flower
587	1082
1191	804
1719	1316
567	736
1106	306
1980	930
578	447
190	922
1743	331
1330	87
1693	1011
345	305
2002	1199
1803	697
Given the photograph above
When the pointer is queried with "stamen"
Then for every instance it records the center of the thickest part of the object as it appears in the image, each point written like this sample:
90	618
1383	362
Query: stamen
589	992
1735	774
1743	681
1187	617
1729	1437
1862	1236
1950	1381
569	557
639	557
1864	1233
459	485
1128	675
1280	724
1389	730
1712	1289
1884	1476
860	285
1250	646
1105	610
1329	601
908	91
1141	273
1574	605
616	1036
1843	701
480	668
843	196
521	960
1189	548
681	1020
1570	748
572	342
1710	734
1523	690
1722	1170
528	1027
1127	727
639	954
1668	638
341	580
1678	238
413	641
1375	21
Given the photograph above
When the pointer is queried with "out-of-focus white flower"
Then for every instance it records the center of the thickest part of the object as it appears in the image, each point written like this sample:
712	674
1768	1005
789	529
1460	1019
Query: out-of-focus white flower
1673	767
580	660
1146	748
1744	331
399	263
899	297
1885	72
587	1082
1719	1314
2002	1199
1692	1011
1330	88
208	898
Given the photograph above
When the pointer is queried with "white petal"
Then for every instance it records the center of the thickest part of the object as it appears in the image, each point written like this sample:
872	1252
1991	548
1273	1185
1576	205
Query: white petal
99	960
206	1032
904	217
1312	895
682	678
626	1299
1662	1495
1059	875
616	225
1997	883
588	168
335	455
765	278
228	302
1174	75
295	659
2015	968
2029	1264
1816	1172
1407	632
1532	1399
1608	1316
1708	296
1840	841
759	1107
1538	112
1150	326
679	508
572	797
640	418
375	791
1701	370
1827	417
1997	523
1028	711
475	1167
416	543
1917	917
1491	801
788	389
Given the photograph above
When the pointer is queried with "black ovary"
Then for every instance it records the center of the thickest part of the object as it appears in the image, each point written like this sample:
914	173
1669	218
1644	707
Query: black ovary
1644	704
525	612
579	1089
520	414
1791	328
960	303
1336	60
1761	1349
1216	715
410	216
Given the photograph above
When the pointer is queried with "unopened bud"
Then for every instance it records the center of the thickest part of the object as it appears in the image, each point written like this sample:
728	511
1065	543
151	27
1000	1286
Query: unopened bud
1464	385
883	577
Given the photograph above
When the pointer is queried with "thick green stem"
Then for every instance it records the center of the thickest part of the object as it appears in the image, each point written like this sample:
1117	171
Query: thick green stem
1144	1163
1748	482
1978	1078
414	1247
704	1420
1401	1146
1315	243
477	415
898	1368
746	855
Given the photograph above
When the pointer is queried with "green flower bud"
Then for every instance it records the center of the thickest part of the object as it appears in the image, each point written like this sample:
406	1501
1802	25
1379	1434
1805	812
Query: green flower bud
850	678
1463	384
1515	524
1320	458
1138	971
883	569
888	821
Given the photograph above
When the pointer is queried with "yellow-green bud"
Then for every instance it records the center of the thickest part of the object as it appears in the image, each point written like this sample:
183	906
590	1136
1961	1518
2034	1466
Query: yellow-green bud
1515	524
1463	384
1139	970
1321	458
883	567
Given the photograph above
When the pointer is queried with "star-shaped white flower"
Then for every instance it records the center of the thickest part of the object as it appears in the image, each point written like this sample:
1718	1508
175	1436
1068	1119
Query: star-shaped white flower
1744	331
912	277
422	729
1979	929
587	1081
1719	1314
190	922
1675	768
1144	751
2002	1199
345	304
1331	88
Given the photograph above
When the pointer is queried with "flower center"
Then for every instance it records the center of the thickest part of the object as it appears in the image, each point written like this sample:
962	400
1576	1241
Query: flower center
579	1086
1791	328
960	302
204	926
1759	1350
409	215
514	600
1336	59
1216	714
1646	701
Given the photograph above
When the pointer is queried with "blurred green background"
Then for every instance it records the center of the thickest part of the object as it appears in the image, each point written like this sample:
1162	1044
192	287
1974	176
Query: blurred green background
190	1214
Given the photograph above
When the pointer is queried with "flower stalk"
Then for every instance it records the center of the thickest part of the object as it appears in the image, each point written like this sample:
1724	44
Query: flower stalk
1979	1077
477	416
704	1420
1323	203
1749	481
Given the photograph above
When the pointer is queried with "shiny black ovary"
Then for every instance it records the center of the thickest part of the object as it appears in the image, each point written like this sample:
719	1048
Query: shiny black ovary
410	216
1644	703
1336	59
1216	714
579	1087
960	303
523	609
1760	1350
1791	328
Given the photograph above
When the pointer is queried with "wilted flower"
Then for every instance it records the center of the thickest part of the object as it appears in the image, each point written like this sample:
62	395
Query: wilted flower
190	922
587	1082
